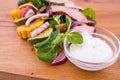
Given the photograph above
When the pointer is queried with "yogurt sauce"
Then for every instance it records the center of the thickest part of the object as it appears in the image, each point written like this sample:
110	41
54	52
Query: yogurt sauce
93	49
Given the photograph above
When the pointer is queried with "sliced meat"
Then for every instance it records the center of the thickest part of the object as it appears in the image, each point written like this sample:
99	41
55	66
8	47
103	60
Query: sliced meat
91	23
83	28
73	13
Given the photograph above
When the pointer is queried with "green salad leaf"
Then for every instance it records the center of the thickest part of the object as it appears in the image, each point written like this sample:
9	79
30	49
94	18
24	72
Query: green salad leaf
75	38
68	23
57	18
39	3
89	12
47	49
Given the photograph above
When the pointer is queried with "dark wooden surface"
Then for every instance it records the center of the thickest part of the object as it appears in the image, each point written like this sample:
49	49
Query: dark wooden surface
16	55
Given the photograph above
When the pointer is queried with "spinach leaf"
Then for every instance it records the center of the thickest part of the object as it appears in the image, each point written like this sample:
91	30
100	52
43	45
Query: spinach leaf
89	12
75	38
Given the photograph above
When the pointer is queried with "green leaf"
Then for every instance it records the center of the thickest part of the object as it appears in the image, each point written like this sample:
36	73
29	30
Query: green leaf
75	38
47	49
68	23
53	23
57	18
37	3
89	12
48	55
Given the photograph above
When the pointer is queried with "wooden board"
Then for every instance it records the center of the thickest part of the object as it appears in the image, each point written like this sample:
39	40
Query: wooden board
17	57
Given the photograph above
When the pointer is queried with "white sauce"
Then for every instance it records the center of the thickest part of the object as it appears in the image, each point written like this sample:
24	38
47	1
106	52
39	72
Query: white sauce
93	49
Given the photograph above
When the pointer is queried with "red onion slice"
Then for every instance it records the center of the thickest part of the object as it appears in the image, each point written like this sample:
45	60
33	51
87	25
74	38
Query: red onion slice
35	17
27	12
40	29
61	58
28	4
24	12
75	23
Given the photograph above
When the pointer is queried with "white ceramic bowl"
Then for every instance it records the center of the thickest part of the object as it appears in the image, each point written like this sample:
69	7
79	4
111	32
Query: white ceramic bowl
109	38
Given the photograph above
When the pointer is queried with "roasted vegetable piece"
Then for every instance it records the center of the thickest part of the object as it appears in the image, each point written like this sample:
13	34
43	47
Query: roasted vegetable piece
24	32
16	13
62	27
20	21
41	36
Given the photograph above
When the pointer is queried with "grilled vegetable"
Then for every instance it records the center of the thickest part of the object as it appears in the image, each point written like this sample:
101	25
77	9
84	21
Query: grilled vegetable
41	36
24	32
40	29
16	13
20	21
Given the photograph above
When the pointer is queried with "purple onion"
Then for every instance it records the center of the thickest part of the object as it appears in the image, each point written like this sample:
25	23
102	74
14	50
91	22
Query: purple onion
75	23
61	58
25	12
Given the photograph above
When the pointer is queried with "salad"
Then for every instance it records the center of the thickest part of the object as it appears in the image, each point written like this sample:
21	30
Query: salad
46	23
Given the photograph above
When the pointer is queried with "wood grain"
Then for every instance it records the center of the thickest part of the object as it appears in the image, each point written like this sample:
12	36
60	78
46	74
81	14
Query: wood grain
16	55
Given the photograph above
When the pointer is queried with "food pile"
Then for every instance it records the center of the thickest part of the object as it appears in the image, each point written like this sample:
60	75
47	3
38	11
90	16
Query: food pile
46	23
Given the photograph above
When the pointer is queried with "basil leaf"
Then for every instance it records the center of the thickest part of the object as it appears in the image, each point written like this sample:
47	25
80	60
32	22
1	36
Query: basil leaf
89	12
75	38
